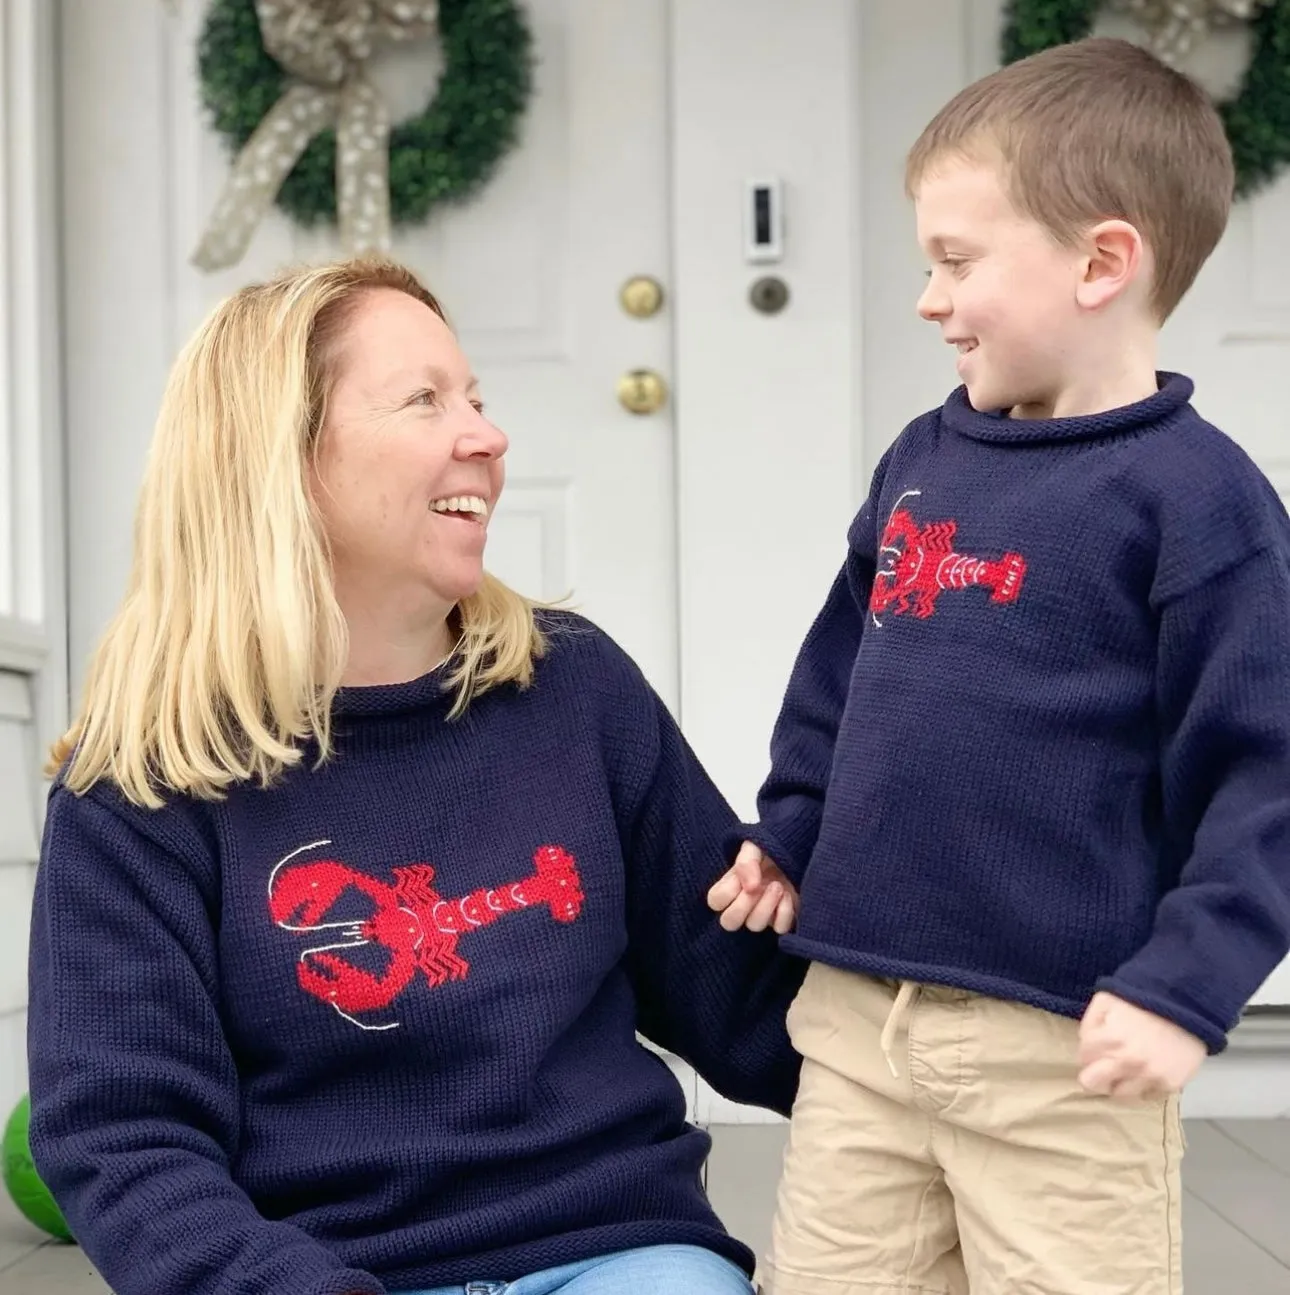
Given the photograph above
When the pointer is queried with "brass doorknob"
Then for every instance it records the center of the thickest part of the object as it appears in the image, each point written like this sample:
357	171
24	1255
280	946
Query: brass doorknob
641	296
641	391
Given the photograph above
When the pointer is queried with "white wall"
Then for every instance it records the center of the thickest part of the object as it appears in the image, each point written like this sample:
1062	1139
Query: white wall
32	635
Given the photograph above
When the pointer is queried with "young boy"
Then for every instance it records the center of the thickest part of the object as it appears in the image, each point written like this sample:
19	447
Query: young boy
1036	747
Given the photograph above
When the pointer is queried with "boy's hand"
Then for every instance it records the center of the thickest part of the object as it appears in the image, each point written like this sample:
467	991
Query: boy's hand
1130	1054
754	893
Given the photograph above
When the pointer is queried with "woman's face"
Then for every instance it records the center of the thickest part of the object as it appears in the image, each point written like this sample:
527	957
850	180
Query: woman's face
408	469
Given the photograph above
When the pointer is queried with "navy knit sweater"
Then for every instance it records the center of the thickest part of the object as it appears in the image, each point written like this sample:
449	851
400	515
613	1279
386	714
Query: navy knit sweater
375	1028
1037	743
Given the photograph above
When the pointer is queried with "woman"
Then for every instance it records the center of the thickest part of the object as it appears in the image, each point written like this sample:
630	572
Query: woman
360	875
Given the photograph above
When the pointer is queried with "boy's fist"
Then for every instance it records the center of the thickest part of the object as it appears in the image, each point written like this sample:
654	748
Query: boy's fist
1128	1053
754	893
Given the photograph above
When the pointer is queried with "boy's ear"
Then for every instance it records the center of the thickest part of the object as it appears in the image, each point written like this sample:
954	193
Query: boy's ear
1114	259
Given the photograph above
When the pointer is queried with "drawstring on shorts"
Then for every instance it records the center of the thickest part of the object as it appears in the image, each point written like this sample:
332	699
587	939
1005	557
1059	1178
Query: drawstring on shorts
895	1019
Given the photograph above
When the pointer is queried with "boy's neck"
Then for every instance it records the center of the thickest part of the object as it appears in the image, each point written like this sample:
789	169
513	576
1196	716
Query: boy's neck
1123	373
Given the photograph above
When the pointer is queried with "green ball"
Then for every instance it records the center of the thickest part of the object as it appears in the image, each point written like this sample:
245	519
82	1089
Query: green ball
21	1180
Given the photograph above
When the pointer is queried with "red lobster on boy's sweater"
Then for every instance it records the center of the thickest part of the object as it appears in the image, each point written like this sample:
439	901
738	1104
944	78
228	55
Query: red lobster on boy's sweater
416	928
916	564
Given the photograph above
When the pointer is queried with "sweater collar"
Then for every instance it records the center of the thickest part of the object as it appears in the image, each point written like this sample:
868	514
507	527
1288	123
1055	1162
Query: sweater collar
1171	397
429	693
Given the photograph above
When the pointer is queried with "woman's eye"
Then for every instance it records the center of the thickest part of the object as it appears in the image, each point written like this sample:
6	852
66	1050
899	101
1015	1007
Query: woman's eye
425	398
478	406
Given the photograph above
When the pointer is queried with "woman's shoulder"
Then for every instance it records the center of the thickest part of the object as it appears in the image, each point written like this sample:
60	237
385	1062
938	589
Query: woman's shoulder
586	663
182	826
575	642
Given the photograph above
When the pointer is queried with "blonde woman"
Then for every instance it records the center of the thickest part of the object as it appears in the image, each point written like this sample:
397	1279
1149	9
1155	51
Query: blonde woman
360	874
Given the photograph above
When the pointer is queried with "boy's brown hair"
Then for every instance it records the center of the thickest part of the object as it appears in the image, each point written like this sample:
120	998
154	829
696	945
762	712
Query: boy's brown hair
1099	129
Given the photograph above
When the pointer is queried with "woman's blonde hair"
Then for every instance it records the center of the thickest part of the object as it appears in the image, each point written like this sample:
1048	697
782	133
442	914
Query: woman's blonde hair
227	651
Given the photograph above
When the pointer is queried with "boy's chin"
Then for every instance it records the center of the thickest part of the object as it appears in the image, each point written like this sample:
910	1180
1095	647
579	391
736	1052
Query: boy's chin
987	398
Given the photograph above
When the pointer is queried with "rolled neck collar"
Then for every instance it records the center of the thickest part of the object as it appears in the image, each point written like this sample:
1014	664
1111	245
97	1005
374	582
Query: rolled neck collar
426	693
1173	393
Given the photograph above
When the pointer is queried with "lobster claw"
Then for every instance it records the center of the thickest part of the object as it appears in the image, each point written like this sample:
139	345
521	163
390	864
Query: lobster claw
349	988
304	895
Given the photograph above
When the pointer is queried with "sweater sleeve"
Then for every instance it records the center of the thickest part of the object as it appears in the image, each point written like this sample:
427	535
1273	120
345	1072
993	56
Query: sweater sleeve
717	999
134	1090
1224	706
791	800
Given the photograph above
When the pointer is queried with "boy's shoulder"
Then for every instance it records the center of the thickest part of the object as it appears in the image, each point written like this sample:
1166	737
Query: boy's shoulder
921	434
1214	506
916	440
919	437
1196	443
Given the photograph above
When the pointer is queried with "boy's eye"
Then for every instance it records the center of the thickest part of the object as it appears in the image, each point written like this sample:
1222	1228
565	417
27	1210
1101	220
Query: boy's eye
954	264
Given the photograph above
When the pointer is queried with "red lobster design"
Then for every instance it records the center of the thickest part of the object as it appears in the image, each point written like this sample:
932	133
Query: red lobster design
410	921
918	563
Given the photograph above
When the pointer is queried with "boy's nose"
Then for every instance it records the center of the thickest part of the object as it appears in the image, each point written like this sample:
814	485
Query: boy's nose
933	303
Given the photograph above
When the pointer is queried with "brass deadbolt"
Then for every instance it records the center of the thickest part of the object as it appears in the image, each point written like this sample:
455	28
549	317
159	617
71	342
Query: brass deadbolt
641	296
769	295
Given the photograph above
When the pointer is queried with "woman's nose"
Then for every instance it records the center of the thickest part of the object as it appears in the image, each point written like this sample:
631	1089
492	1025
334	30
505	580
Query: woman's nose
481	440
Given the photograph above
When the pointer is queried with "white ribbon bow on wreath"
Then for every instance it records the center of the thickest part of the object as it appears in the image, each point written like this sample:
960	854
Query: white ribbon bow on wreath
323	45
1174	26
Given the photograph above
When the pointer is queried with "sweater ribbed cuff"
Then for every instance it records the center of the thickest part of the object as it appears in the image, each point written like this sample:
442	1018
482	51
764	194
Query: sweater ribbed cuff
1214	1037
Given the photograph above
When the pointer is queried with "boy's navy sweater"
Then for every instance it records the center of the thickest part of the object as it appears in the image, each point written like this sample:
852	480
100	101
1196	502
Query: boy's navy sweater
1037	743
375	1028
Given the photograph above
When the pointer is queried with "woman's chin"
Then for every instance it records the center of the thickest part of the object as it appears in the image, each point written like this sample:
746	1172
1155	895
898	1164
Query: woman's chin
459	584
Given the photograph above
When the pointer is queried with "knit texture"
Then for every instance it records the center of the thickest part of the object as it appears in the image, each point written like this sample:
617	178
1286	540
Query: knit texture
374	1028
1037	743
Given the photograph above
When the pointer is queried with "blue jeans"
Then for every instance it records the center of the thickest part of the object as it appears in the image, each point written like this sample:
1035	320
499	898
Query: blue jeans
659	1270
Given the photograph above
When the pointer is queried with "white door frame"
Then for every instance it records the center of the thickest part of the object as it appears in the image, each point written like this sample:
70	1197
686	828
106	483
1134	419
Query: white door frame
767	403
33	651
33	620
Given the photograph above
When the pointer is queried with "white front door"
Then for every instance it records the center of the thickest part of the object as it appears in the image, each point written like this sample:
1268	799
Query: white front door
529	272
1231	334
530	275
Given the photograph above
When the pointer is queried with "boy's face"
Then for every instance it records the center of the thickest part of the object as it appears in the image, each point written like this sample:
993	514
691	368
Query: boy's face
1001	289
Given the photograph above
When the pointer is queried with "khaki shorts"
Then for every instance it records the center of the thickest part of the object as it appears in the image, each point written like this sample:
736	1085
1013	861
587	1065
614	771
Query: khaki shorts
978	1165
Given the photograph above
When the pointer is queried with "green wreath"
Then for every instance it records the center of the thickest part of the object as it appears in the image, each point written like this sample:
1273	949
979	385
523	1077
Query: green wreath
442	155
1257	119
